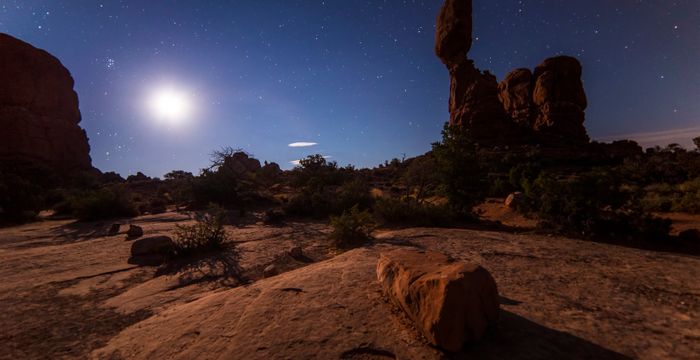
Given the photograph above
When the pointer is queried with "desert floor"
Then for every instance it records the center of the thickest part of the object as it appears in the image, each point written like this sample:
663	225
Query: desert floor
67	291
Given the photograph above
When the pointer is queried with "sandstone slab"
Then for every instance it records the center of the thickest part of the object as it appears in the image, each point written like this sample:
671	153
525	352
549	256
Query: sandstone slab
449	302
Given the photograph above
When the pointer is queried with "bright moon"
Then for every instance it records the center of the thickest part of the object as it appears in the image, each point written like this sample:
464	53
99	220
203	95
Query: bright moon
170	105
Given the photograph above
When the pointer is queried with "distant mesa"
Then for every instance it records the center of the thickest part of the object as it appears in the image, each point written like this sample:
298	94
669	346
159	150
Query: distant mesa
545	106
39	113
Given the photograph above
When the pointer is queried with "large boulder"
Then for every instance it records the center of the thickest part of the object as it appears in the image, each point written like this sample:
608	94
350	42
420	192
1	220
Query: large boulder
453	35
39	113
449	302
151	250
560	98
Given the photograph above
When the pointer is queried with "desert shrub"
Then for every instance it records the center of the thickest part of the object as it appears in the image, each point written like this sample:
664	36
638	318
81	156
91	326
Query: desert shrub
316	173
408	212
24	187
593	205
353	228
688	199
322	202
206	234
105	203
220	186
458	168
421	177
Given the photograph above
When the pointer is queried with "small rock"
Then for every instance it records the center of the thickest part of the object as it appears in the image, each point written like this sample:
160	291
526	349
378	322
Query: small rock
296	252
134	232
114	229
270	270
690	235
449	302
514	200
273	216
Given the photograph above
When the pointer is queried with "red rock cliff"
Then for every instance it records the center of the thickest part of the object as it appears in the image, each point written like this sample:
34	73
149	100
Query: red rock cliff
39	113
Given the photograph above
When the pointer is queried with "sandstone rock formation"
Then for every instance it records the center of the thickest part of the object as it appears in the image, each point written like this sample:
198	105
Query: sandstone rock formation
39	113
548	103
449	302
551	101
473	95
240	163
559	96
515	93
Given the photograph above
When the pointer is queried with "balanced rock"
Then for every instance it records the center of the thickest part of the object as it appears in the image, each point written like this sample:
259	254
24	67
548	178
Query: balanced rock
39	113
560	98
474	102
449	302
453	36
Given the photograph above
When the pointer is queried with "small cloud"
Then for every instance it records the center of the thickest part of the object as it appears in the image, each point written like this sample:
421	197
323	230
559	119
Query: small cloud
302	144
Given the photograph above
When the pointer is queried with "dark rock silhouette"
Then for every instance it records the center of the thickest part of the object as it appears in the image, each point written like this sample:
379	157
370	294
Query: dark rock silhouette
39	113
546	105
241	163
559	96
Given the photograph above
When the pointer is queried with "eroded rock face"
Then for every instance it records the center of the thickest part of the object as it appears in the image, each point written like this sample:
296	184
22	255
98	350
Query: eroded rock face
449	302
39	113
515	93
559	96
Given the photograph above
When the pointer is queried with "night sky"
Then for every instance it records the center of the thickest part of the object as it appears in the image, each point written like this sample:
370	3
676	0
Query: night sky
357	78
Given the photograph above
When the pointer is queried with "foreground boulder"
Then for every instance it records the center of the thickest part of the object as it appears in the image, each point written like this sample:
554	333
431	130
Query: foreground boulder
449	302
39	113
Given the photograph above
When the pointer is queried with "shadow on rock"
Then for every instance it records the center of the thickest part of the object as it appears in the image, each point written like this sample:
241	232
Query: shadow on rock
222	265
519	338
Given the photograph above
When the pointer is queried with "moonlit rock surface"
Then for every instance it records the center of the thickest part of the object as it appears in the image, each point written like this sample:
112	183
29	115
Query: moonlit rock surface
449	302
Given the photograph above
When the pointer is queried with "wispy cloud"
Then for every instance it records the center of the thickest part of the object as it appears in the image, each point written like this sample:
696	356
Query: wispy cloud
682	136
302	144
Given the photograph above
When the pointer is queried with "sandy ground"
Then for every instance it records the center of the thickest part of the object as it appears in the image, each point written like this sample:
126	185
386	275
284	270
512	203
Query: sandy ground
68	292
